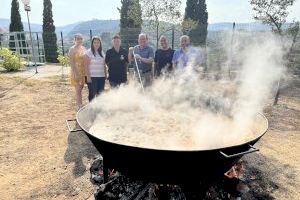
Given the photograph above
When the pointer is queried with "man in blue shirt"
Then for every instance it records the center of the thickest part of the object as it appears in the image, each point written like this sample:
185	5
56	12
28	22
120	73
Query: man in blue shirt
144	58
185	54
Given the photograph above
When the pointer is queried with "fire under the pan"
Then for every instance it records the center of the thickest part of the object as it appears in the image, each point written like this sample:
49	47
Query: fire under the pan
231	186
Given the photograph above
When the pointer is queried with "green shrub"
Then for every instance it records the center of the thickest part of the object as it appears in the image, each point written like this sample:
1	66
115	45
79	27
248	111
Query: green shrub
11	61
63	60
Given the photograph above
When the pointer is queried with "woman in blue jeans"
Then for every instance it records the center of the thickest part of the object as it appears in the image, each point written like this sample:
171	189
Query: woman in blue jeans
95	68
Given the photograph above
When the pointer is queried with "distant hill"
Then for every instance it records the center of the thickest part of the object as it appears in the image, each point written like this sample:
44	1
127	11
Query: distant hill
253	26
103	25
4	23
100	26
96	26
67	28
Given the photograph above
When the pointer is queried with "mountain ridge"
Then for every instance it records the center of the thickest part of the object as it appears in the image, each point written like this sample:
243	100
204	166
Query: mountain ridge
113	26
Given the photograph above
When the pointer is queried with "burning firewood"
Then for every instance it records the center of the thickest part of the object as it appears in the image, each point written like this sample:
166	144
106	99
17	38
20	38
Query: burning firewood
236	171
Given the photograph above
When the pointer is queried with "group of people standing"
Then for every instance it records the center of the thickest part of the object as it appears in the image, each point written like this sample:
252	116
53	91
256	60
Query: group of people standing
93	66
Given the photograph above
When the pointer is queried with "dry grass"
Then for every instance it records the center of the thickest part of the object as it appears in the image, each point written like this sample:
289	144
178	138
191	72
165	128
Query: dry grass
35	159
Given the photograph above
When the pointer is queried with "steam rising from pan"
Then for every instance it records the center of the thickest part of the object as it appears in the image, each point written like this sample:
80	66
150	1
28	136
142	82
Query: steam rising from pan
188	111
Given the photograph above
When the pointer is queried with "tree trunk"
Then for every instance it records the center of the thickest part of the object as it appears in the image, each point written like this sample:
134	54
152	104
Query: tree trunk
277	93
287	58
157	36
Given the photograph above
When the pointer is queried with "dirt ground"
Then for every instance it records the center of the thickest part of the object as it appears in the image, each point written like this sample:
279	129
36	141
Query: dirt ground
274	172
39	159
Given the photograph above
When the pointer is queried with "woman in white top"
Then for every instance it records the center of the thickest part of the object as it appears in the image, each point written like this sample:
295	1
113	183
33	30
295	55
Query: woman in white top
95	68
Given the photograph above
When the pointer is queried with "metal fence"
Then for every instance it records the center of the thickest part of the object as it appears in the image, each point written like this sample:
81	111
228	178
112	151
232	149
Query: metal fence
20	43
66	40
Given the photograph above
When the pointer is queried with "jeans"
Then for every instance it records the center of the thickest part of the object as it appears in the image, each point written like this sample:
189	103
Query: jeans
95	87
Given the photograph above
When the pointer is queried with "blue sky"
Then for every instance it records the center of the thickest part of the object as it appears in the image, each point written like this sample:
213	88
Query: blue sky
70	11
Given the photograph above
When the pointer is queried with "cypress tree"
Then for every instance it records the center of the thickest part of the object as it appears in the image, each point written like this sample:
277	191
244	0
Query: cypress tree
49	35
15	24
196	10
130	22
15	18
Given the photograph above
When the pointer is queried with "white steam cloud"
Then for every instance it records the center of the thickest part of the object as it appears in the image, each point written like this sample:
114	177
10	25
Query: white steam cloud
190	110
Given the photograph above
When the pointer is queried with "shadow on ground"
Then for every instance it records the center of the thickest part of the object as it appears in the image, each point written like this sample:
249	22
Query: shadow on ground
265	175
79	147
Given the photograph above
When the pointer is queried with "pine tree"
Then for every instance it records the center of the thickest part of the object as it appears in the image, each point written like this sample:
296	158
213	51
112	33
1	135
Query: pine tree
15	24
49	35
130	22
196	11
